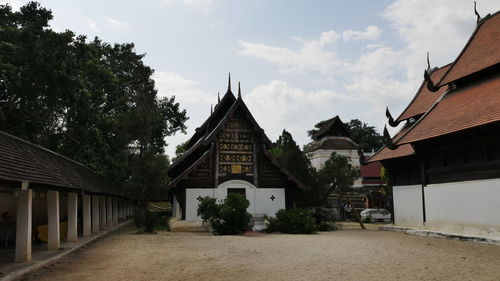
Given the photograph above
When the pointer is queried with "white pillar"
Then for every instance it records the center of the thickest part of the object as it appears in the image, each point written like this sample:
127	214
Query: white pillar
23	226
53	242
115	211
87	229
102	210
72	217
95	213
109	215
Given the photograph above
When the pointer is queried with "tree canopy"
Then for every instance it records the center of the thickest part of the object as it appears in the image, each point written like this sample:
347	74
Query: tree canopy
91	101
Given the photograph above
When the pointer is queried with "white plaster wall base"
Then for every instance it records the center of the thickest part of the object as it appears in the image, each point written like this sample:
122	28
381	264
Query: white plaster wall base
408	205
260	198
470	207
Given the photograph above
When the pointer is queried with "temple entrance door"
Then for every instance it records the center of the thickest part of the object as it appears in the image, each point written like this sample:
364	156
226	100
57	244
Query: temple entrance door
241	191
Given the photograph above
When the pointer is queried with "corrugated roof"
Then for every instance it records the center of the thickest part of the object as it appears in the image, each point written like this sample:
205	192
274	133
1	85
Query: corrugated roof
481	51
475	105
424	98
21	160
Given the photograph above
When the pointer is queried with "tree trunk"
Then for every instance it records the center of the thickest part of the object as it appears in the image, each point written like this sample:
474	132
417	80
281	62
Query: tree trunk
355	212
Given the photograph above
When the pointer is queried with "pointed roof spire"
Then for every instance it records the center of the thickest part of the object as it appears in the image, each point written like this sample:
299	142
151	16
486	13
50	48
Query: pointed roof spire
229	84
239	90
211	109
218	97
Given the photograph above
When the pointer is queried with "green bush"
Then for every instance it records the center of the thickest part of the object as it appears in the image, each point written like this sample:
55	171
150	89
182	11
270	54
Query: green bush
293	221
227	218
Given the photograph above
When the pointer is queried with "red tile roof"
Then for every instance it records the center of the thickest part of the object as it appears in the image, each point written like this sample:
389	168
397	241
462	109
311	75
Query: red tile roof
424	98
481	51
475	105
401	151
371	170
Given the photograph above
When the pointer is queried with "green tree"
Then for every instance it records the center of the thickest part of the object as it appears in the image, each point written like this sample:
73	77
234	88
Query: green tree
91	101
338	175
290	157
364	135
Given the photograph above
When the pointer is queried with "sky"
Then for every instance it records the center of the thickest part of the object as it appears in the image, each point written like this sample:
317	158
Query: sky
299	61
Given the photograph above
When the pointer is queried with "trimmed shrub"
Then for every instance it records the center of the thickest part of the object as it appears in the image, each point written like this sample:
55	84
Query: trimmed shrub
293	221
227	218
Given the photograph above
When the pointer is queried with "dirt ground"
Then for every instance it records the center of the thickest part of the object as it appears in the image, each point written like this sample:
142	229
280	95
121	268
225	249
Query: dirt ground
338	255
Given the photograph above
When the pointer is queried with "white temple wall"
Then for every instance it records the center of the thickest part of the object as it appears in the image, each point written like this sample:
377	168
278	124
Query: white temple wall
319	157
408	205
470	207
260	198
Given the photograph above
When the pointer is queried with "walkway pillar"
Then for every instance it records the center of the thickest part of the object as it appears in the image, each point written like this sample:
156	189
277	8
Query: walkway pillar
102	211
120	201
72	217
86	215
109	211
115	211
54	242
23	226
95	213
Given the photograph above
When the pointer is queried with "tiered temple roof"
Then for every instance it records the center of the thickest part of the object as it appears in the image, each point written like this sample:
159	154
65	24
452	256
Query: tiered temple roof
465	95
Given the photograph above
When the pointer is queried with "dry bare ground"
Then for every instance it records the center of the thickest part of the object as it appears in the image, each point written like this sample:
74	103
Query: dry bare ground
339	255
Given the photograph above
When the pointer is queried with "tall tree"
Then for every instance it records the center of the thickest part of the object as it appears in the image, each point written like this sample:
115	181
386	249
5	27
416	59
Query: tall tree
89	100
338	176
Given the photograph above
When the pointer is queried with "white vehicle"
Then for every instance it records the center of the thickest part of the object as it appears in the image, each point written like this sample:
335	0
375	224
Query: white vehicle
376	215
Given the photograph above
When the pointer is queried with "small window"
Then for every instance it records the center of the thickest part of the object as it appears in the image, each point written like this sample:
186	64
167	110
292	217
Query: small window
237	191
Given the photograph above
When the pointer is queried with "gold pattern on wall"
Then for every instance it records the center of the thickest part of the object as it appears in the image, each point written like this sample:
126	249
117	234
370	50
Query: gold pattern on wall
236	146
226	157
203	170
235	169
226	169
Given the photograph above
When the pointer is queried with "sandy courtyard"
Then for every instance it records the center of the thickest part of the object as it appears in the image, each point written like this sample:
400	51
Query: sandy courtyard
340	255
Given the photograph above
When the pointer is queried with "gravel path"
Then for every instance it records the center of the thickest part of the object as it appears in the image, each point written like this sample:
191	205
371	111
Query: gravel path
340	255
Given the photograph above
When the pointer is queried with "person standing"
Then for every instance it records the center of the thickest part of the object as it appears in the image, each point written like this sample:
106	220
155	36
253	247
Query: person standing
347	210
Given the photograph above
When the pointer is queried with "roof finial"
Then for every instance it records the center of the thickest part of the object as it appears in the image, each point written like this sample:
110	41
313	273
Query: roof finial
391	120
211	109
428	63
229	84
477	14
388	140
430	85
239	90
218	97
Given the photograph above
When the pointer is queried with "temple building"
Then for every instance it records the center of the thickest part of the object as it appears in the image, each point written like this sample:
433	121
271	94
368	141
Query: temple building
444	163
227	154
333	136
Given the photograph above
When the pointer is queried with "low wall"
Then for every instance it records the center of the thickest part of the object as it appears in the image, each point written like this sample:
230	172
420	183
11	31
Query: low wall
408	205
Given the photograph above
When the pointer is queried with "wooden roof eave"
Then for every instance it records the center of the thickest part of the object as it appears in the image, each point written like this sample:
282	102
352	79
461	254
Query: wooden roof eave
289	175
186	172
229	114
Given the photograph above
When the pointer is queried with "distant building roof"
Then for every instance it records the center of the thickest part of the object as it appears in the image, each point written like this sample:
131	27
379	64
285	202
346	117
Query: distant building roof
370	173
480	52
332	143
333	127
21	160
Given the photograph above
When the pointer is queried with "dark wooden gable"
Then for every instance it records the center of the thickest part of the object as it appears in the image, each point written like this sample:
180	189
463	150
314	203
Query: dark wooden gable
334	128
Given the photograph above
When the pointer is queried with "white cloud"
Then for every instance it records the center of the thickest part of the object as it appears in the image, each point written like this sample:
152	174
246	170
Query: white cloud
185	90
92	25
372	32
15	4
314	55
117	24
202	5
276	106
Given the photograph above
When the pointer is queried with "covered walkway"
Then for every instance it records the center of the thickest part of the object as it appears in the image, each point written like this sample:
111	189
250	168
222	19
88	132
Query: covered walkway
47	199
